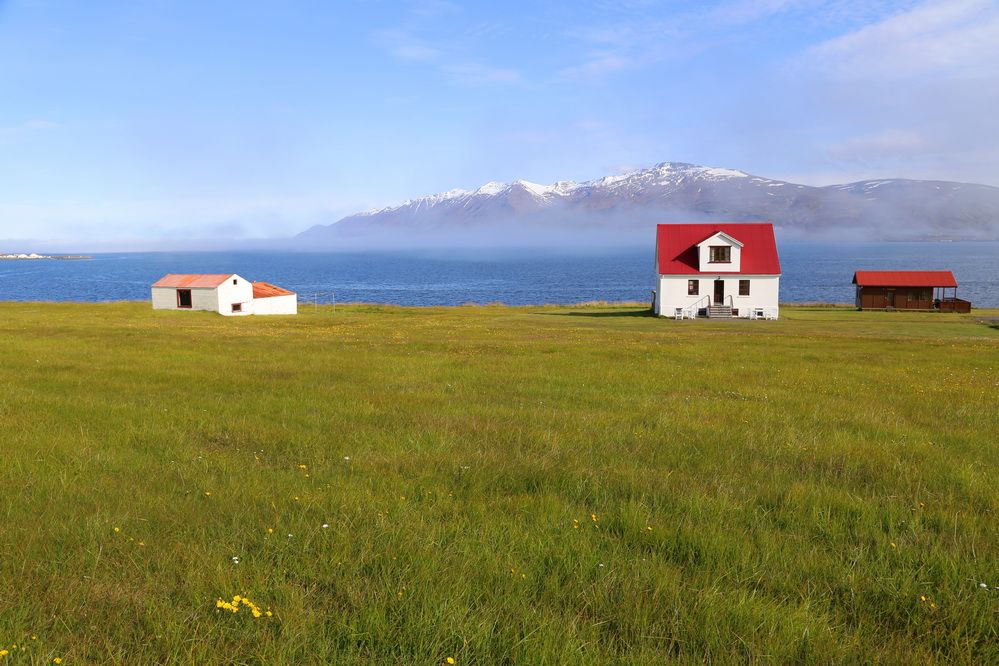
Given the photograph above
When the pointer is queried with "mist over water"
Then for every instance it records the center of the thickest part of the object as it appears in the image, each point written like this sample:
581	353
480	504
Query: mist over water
812	272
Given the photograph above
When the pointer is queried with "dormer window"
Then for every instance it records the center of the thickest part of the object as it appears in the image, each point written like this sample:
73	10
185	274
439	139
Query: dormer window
720	254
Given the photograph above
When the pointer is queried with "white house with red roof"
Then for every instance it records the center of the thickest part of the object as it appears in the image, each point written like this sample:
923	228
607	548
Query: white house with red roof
228	294
724	269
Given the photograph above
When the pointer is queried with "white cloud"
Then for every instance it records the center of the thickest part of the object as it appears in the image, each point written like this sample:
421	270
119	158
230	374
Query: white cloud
961	36
405	46
475	74
29	126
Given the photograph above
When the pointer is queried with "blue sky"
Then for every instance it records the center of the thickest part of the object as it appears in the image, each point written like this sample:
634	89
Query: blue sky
157	119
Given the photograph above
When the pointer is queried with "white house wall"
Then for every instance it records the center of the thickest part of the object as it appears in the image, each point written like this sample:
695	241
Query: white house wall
276	305
228	293
704	256
165	298
763	293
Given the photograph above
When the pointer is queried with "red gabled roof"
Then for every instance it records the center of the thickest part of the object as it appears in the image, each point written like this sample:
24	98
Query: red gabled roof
676	247
904	279
267	290
192	280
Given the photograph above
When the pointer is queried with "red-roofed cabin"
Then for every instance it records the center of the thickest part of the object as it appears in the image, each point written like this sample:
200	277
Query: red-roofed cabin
908	290
228	294
723	269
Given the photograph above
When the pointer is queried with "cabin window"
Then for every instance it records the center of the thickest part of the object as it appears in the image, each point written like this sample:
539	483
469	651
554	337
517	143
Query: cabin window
693	287
237	307
721	254
183	298
744	287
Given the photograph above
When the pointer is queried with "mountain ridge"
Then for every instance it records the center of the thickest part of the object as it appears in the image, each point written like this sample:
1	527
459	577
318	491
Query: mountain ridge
622	208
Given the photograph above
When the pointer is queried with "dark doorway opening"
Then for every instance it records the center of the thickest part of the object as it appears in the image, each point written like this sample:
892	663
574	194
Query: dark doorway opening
719	292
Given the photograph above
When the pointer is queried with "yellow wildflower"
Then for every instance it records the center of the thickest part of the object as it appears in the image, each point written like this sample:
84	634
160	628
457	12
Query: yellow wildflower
57	660
33	637
268	613
450	660
117	529
4	653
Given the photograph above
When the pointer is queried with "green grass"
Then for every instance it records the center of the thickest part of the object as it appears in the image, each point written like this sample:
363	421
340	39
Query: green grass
763	491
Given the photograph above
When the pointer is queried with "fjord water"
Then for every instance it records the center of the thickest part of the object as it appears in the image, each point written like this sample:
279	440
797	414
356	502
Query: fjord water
812	272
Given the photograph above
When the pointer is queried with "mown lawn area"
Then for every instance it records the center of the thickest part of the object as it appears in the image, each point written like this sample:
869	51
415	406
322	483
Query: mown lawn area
529	485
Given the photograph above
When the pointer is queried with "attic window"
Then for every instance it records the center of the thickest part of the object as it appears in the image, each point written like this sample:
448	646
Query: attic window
234	280
721	254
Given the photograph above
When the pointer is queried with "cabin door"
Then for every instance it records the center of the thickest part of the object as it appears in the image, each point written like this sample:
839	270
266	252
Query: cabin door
719	292
890	298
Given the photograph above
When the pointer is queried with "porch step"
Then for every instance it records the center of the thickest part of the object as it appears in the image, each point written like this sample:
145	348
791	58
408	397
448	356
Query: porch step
720	311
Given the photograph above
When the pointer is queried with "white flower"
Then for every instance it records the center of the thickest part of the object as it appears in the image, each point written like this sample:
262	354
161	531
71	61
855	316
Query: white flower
326	526
346	458
983	586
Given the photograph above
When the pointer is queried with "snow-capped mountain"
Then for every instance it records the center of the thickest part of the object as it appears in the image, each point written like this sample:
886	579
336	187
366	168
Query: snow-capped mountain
623	208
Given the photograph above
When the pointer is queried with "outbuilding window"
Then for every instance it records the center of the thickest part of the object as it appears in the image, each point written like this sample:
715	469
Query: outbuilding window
183	298
744	287
721	254
693	287
237	307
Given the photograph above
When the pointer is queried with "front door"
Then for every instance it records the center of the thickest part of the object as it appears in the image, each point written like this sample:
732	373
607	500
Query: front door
719	292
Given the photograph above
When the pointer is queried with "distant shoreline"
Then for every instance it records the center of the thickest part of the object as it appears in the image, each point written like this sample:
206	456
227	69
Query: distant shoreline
35	257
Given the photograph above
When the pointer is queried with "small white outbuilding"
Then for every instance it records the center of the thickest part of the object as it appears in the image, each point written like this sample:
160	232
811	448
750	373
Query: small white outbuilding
228	294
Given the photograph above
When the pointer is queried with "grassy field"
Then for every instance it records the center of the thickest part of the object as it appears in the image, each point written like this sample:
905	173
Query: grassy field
535	485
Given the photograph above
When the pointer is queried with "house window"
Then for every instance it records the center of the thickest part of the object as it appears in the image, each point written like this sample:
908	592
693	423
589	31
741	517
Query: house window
721	254
234	280
693	287
744	287
237	307
183	298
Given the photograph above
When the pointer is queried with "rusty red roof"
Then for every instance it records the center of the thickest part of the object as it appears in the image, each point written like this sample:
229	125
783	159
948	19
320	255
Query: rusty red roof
192	280
676	247
904	279
267	290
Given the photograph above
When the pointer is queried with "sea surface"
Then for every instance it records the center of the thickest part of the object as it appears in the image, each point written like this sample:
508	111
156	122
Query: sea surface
812	272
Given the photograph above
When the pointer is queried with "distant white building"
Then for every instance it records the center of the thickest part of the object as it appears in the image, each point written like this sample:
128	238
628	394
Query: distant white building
228	294
717	270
